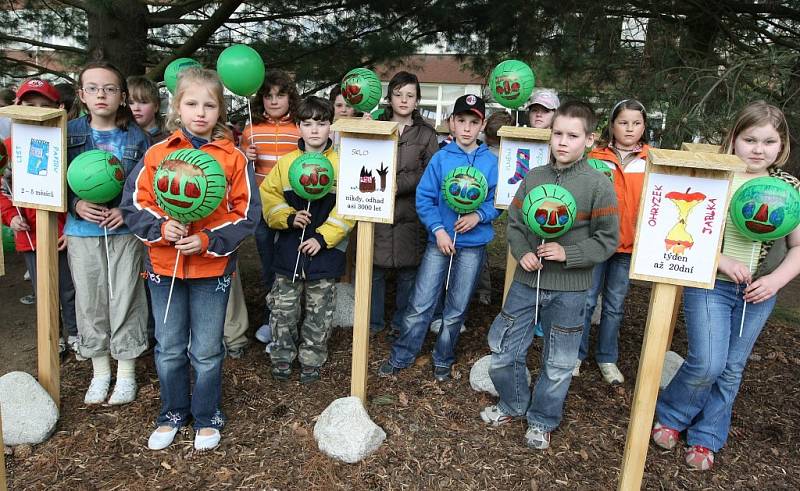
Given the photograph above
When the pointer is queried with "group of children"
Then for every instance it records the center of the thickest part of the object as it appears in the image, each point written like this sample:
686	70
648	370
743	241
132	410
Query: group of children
569	272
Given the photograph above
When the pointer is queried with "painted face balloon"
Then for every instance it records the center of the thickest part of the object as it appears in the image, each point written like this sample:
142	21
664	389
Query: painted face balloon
465	189
189	185
765	208
311	176
361	88
96	176
511	83
174	68
549	210
602	167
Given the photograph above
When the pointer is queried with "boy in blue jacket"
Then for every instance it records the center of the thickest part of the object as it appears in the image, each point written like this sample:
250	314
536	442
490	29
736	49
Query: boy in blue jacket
474	232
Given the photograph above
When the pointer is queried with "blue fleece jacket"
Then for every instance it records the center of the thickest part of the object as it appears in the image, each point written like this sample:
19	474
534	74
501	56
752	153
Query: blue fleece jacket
433	210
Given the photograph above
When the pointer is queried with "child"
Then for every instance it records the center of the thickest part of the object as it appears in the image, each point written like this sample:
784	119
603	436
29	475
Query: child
272	134
699	399
624	151
323	250
39	93
118	326
193	332
563	282
399	246
146	107
474	232
542	108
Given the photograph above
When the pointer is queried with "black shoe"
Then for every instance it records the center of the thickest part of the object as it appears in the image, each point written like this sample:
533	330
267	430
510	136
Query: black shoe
281	371
387	370
441	374
309	375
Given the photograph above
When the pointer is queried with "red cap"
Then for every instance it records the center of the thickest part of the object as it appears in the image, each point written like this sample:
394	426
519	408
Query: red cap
38	86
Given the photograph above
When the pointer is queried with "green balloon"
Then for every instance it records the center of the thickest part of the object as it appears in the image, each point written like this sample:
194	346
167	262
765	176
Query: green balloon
311	176
377	114
241	69
8	240
765	208
600	165
361	88
465	189
549	210
511	83
96	176
172	70
189	185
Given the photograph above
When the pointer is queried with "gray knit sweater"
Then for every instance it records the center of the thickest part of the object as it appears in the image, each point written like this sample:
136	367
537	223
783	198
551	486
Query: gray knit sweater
592	238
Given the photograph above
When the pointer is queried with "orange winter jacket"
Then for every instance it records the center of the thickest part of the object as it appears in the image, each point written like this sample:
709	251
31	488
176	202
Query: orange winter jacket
628	183
221	232
273	139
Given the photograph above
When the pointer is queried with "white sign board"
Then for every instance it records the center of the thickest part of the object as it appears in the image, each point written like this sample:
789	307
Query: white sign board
366	182
38	171
516	158
681	228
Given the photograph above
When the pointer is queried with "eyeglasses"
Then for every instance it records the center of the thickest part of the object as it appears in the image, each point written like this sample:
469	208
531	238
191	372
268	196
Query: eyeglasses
108	89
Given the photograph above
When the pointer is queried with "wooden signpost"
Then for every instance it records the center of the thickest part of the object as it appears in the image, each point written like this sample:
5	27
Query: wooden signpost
681	218
38	156
521	149
3	485
365	192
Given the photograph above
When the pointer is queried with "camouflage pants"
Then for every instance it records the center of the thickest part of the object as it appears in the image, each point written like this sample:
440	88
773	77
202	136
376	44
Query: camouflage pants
284	303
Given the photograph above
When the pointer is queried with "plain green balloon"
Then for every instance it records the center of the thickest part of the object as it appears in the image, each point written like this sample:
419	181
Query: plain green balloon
241	69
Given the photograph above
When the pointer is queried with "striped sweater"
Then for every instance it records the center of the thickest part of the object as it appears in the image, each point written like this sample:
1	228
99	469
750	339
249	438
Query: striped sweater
273	139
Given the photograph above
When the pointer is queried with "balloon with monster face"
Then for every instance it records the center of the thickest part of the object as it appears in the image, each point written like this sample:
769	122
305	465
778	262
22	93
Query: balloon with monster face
174	68
511	83
189	185
765	208
465	189
601	166
311	176
96	176
549	210
361	88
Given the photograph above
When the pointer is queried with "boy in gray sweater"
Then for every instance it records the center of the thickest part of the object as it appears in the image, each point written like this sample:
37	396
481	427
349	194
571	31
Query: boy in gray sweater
566	273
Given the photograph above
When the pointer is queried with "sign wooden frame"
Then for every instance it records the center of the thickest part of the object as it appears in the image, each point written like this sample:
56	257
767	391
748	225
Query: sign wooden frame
700	147
515	133
3	485
384	130
661	309
47	304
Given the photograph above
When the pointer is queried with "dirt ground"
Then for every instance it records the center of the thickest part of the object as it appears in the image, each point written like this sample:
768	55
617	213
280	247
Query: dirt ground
435	437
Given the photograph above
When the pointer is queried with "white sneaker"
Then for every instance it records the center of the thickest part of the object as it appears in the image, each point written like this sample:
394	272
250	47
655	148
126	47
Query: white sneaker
536	438
264	333
611	373
206	442
160	440
124	392
268	348
98	390
72	343
576	372
62	345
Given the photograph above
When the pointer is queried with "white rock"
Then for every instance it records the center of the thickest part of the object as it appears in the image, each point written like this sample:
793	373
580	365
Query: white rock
29	413
345	432
479	378
345	305
672	362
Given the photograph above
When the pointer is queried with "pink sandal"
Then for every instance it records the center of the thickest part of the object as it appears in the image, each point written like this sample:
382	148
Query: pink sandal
664	436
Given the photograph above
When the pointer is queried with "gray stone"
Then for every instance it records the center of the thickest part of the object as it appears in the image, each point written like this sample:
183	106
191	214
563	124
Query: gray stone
479	378
672	362
29	413
345	305
345	432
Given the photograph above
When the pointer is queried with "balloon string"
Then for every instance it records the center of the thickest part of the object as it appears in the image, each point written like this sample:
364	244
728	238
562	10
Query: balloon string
172	283
302	237
108	264
538	276
27	234
744	308
455	237
250	115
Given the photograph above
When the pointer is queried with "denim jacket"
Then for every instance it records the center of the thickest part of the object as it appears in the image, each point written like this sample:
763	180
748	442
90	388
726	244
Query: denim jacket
79	140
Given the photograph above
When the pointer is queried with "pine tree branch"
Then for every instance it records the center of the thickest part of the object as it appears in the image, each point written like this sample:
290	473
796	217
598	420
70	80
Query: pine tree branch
42	44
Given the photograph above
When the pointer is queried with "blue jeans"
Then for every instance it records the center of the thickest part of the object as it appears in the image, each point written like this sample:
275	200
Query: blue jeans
610	278
191	336
431	277
405	285
700	397
511	334
265	244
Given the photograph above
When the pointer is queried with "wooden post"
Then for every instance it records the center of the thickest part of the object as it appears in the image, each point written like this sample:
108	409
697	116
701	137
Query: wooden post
47	311
3	485
363	301
651	361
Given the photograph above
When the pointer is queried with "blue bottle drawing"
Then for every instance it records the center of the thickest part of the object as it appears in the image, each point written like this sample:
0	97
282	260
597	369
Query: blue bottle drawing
37	157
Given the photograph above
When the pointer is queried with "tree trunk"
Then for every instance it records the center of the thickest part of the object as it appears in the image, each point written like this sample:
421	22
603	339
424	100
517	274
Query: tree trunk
118	33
